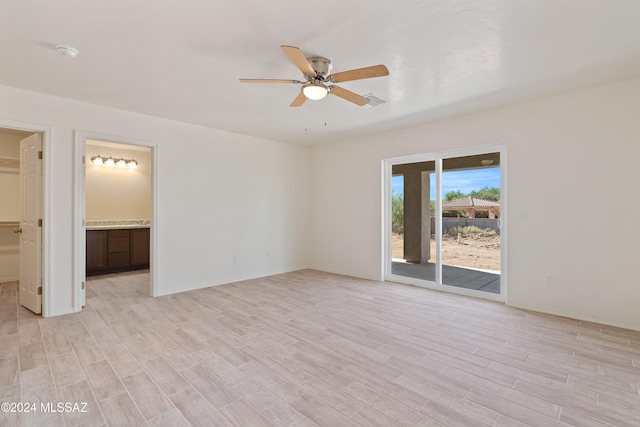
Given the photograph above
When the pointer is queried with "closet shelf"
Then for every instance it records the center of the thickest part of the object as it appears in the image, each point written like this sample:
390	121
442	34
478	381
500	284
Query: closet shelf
9	224
9	162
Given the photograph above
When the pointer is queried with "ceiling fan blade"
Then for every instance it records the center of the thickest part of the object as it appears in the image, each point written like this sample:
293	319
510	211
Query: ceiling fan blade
348	95
300	99
298	58
269	81
360	73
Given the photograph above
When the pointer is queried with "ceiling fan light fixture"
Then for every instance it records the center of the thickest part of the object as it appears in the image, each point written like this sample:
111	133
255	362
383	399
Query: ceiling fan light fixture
315	91
318	78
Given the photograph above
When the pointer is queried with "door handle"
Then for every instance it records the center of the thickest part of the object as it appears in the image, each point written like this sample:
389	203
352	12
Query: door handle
17	230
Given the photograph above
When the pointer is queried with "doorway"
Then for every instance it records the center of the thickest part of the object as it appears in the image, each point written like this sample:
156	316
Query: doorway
114	210
444	221
23	273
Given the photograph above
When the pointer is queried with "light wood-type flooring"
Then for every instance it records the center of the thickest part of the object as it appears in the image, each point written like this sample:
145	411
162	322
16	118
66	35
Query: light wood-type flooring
310	348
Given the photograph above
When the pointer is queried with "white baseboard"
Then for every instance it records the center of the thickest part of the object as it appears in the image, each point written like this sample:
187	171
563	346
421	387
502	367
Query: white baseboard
592	319
346	273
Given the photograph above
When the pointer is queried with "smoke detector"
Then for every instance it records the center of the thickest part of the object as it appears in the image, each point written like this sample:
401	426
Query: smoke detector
67	51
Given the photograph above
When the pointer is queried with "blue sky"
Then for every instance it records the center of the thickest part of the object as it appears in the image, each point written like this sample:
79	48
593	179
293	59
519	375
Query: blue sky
465	181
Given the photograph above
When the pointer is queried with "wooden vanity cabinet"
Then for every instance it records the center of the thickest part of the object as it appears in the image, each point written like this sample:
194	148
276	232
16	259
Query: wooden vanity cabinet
139	247
118	249
96	255
111	251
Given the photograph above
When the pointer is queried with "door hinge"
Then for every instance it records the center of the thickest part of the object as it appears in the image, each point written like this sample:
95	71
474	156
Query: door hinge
84	160
40	223
39	155
39	290
82	285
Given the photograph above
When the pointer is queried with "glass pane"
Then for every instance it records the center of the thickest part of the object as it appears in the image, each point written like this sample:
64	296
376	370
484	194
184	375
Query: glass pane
470	212
411	220
432	219
397	218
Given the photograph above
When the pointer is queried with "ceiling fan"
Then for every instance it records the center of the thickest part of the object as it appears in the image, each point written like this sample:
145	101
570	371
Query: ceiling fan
317	84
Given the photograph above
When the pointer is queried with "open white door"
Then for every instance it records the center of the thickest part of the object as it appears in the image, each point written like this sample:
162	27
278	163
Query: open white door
31	223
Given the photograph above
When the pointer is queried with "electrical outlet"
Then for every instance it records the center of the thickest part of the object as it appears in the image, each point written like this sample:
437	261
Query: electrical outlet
524	216
235	257
549	279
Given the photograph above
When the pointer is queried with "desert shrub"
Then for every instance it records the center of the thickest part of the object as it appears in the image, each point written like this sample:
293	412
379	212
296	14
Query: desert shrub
471	229
397	213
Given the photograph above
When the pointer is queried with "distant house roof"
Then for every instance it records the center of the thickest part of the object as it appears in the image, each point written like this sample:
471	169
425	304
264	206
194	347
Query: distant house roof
470	202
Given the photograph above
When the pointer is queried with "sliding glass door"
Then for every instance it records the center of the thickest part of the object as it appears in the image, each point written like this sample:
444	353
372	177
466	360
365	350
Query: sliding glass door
444	221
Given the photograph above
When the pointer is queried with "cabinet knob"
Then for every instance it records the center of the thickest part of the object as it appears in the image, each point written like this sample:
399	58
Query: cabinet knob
17	230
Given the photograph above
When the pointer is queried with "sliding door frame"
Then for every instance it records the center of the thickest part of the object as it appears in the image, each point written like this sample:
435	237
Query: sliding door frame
387	167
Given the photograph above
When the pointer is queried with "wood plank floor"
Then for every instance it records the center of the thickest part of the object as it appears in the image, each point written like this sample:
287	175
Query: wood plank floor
310	348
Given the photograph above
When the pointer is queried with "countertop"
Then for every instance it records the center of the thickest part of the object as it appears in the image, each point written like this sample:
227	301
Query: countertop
117	224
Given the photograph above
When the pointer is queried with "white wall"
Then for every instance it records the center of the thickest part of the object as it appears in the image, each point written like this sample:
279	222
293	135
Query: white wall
9	254
114	193
218	193
572	165
9	178
9	208
10	145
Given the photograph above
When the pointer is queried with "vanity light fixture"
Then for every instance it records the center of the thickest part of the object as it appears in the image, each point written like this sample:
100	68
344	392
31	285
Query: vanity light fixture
110	161
97	160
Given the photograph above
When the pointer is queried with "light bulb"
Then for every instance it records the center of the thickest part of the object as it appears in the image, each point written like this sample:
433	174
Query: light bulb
314	91
97	160
110	161
121	163
132	164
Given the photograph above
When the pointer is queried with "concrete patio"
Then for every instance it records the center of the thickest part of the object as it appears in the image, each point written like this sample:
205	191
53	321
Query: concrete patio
459	277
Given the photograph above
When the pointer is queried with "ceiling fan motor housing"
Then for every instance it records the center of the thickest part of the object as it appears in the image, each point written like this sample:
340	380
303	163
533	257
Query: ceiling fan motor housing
322	66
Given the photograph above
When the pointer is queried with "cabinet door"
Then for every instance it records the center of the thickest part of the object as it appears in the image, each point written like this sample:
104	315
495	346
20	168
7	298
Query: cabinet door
96	251
118	258
118	241
139	247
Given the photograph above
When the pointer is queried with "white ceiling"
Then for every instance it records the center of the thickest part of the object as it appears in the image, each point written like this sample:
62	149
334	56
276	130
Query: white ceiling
181	60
